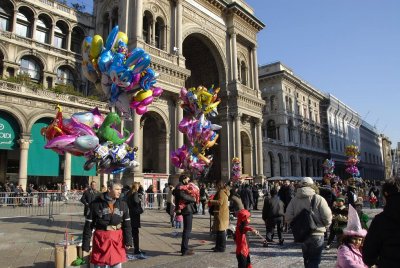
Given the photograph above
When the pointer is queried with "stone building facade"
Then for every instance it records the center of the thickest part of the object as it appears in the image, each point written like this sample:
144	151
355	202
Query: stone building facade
41	39
343	126
191	43
387	156
294	129
371	153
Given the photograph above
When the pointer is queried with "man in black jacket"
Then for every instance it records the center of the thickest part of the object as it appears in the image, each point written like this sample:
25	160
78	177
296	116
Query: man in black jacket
109	217
88	196
272	214
187	213
382	243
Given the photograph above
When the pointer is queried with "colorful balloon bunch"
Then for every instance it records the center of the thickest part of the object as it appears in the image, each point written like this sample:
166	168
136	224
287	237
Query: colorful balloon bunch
352	152
329	168
236	169
199	103
125	77
91	135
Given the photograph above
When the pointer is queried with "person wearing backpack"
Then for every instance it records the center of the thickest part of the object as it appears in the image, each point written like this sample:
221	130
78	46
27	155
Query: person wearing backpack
307	200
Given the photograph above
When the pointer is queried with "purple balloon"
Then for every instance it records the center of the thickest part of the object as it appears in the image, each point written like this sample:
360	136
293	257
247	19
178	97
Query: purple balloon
134	104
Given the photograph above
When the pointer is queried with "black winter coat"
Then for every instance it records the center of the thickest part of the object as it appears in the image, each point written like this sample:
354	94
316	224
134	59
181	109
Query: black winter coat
99	217
326	192
135	208
189	200
273	208
247	197
88	196
382	243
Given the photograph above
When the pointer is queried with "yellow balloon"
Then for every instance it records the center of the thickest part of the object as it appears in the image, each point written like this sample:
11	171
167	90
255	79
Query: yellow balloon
143	94
123	37
97	46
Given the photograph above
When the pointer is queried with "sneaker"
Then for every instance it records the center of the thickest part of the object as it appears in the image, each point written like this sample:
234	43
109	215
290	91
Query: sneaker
139	252
327	247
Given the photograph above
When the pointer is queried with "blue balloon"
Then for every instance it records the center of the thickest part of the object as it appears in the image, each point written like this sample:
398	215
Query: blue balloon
112	37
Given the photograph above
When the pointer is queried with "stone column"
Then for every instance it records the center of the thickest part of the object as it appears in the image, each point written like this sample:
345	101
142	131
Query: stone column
51	37
260	166
179	135
153	32
139	19
67	169
179	12
167	152
124	17
69	40
14	22
234	57
35	18
138	141
23	164
164	38
238	146
255	66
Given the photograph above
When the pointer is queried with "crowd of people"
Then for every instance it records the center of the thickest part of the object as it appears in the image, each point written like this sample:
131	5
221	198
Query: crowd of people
114	215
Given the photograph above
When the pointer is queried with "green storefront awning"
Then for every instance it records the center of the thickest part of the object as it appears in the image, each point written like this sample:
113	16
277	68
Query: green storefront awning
77	167
9	132
41	161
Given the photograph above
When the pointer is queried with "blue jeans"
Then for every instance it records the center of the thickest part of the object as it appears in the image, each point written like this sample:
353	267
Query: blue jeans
312	251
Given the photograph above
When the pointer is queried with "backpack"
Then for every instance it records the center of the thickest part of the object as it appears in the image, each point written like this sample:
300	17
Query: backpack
304	223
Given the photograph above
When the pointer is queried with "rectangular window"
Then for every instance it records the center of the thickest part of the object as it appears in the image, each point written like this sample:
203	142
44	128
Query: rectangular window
22	30
4	24
58	42
41	36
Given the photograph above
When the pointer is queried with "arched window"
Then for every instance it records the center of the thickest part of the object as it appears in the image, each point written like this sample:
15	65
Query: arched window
274	104
272	161
159	37
1	63
6	11
290	131
292	166
106	24
271	129
31	66
147	21
24	22
60	35
65	76
114	17
243	72
77	36
43	29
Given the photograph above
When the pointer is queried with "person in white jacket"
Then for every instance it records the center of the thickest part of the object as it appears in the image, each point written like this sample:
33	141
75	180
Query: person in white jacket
313	245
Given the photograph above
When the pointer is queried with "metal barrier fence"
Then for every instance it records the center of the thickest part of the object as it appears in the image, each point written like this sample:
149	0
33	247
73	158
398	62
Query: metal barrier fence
40	204
58	203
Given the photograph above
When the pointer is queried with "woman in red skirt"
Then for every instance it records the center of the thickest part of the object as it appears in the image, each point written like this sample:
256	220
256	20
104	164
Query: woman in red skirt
109	217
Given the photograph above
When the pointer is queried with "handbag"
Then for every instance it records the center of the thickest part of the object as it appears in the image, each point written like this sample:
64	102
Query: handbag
304	223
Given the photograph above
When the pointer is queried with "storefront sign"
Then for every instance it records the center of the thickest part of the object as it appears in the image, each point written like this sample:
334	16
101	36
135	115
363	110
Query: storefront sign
8	132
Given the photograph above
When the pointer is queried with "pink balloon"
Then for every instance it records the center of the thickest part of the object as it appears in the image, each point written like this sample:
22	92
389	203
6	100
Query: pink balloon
157	91
134	104
147	101
141	110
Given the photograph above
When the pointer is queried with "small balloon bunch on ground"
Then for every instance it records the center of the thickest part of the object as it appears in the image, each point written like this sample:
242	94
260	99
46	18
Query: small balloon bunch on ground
236	169
124	76
200	104
91	135
352	152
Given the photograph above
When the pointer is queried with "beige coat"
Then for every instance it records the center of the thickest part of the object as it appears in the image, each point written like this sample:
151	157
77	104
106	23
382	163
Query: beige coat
221	210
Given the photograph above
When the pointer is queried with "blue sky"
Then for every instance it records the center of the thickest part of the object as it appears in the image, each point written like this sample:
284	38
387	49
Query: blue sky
349	48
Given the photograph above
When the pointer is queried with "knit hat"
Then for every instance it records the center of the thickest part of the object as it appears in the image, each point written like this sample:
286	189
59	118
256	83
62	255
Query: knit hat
306	181
340	198
353	227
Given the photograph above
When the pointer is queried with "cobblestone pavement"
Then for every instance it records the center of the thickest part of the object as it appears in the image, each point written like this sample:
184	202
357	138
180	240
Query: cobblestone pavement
29	242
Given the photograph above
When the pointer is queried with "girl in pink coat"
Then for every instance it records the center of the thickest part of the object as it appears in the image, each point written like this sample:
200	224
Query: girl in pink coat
349	253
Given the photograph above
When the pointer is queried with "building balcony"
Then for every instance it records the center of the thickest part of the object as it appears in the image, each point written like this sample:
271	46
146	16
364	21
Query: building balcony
14	39
26	93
